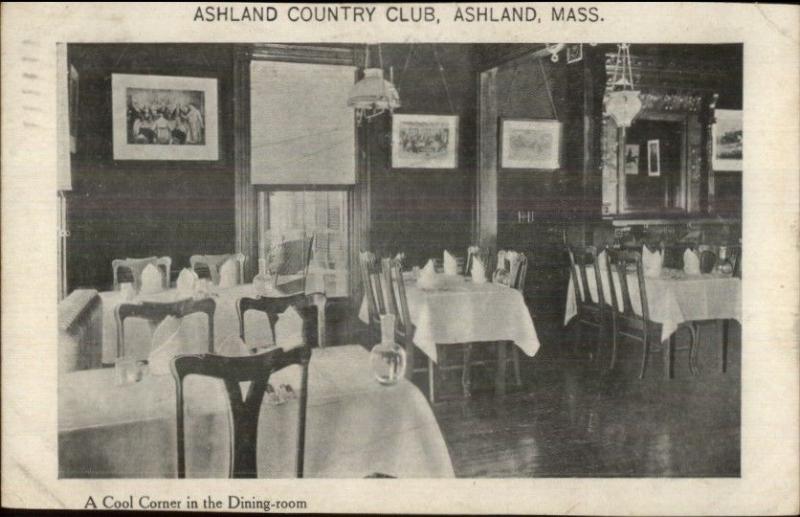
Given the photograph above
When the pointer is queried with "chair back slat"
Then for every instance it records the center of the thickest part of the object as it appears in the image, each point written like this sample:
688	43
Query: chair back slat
245	411
626	259
404	328
386	281
580	257
367	265
156	312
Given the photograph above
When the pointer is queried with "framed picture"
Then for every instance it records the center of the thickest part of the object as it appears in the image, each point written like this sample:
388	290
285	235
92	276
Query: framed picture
424	141
726	141
632	159
164	118
574	53
653	158
530	144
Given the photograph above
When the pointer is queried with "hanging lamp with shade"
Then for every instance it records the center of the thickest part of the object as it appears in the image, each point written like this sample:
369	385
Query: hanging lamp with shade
621	101
373	95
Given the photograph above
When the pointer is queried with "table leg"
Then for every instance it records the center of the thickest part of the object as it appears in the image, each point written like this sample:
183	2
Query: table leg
668	348
500	374
466	373
724	345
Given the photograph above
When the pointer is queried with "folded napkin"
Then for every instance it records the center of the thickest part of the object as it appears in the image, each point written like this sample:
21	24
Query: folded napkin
652	261
289	330
167	343
229	274
186	281
602	260
232	346
427	276
478	271
450	264
691	262
152	280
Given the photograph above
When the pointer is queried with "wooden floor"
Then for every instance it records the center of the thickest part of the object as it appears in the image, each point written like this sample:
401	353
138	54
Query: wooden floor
570	419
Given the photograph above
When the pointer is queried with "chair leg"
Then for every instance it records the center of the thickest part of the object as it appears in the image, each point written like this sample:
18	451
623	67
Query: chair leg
601	331
694	345
645	352
668	349
613	343
431	381
577	338
515	362
500	373
724	346
466	373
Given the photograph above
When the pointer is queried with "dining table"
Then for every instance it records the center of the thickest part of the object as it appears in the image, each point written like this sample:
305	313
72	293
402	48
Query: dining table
462	311
459	310
673	297
355	426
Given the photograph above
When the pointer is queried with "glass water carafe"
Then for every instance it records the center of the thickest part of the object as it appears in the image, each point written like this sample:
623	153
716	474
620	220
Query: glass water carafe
262	282
724	266
388	359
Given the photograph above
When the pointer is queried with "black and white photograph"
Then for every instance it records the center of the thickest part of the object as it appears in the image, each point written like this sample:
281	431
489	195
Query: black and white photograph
154	115
411	315
488	268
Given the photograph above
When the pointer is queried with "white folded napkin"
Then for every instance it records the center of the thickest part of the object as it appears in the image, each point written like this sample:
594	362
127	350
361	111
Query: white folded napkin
289	329
232	346
167	343
186	281
691	262
602	260
427	276
152	280
228	274
450	264
478	271
652	262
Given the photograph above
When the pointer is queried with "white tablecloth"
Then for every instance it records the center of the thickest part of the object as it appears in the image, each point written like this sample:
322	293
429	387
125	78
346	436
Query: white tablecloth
466	312
673	298
355	426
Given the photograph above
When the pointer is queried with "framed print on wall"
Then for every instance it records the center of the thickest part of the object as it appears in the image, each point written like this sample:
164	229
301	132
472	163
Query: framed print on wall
159	117
653	158
530	144
726	140
424	141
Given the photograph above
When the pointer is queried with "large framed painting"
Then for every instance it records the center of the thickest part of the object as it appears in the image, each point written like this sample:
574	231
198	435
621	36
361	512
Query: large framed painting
424	141
164	117
530	144
726	141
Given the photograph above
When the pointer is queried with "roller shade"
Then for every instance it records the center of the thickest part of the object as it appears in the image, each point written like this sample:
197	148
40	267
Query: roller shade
301	130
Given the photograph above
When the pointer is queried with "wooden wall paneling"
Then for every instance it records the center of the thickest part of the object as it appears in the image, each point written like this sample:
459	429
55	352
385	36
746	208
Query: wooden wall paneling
487	169
246	212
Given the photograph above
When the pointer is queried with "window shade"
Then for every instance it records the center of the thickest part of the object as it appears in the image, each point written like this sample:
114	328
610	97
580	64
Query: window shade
301	130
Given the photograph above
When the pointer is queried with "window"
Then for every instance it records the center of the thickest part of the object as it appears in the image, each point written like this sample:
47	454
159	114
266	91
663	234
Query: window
296	217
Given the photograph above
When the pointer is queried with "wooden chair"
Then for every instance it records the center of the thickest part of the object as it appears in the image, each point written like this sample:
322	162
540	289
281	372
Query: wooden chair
135	266
212	264
626	323
156	312
255	369
595	314
397	304
373	292
307	306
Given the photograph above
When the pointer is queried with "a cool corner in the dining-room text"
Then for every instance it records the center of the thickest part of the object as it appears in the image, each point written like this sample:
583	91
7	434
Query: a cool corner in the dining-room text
230	502
426	14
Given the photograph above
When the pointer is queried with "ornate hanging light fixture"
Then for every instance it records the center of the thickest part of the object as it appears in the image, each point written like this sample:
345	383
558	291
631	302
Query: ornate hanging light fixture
373	95
622	102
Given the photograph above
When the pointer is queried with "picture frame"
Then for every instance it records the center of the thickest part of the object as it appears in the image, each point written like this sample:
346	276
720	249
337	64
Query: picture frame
157	117
574	53
632	159
726	140
422	141
530	144
653	158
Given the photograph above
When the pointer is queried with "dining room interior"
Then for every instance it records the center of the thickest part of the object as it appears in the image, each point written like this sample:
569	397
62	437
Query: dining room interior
426	260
